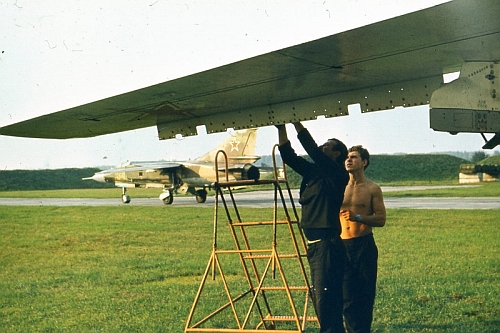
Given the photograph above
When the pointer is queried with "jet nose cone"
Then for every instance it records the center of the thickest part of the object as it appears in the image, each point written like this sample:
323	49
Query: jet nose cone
98	177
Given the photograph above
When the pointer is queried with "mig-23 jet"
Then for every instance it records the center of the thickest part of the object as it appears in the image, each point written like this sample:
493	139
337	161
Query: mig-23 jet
194	176
398	62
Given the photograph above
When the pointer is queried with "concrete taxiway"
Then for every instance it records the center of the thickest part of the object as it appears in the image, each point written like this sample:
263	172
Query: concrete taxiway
260	199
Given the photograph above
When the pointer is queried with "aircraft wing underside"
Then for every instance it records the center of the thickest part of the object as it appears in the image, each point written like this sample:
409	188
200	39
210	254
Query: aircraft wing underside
397	62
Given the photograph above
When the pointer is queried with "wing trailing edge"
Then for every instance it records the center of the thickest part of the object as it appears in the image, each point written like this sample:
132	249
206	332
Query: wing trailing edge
396	62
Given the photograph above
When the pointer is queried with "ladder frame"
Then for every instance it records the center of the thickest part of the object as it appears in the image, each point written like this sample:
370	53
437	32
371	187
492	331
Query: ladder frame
259	305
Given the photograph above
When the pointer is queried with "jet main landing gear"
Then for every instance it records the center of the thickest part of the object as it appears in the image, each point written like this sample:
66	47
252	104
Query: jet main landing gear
201	196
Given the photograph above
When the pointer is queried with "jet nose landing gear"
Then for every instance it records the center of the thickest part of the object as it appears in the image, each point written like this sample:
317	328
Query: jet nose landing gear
125	197
166	197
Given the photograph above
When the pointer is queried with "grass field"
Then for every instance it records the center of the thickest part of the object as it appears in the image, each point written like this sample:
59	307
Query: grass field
478	190
137	269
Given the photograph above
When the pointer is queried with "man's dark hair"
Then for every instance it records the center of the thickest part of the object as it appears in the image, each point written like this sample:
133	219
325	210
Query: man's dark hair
340	147
363	153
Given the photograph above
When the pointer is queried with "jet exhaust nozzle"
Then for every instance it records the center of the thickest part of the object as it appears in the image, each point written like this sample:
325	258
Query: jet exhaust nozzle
250	172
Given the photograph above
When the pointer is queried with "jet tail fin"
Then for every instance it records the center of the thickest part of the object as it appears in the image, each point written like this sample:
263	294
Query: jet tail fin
239	147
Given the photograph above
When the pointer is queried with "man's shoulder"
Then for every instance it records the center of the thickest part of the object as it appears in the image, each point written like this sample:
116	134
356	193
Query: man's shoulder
373	186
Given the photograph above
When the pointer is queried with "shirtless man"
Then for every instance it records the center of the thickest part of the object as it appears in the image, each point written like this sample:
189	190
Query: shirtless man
362	209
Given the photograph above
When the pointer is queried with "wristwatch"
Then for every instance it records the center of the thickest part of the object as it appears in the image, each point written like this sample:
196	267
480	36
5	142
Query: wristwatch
357	218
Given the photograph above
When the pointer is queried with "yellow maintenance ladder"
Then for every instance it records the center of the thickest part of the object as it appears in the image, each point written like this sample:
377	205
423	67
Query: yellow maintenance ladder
255	279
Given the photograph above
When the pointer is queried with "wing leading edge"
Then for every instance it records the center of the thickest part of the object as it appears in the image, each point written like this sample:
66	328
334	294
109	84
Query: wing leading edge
397	62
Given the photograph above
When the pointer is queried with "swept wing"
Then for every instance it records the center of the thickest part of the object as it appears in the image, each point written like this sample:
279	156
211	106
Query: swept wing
140	166
397	62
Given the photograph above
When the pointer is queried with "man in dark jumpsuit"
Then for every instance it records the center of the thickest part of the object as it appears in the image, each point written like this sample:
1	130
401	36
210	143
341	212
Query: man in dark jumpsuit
321	195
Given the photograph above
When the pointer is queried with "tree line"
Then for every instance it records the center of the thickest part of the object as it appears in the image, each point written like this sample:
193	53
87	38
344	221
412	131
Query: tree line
383	169
50	179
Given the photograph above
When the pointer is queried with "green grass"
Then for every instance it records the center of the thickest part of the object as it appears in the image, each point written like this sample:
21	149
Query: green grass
414	167
137	269
439	272
481	190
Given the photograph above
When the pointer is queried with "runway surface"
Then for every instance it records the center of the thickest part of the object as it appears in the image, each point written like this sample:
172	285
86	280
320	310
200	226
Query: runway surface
261	199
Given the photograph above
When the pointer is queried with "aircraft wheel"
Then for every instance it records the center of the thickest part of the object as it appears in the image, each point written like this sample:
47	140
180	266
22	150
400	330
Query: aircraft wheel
125	199
167	197
201	196
168	200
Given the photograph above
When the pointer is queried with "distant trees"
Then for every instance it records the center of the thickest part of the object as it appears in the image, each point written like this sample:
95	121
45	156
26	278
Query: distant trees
27	180
384	169
419	168
478	156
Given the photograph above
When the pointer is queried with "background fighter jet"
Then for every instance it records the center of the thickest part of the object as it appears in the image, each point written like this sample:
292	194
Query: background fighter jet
193	177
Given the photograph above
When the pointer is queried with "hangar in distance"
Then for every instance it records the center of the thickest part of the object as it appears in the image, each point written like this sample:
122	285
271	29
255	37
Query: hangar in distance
396	62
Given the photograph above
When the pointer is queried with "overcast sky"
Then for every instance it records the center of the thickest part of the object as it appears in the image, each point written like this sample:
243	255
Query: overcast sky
59	54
